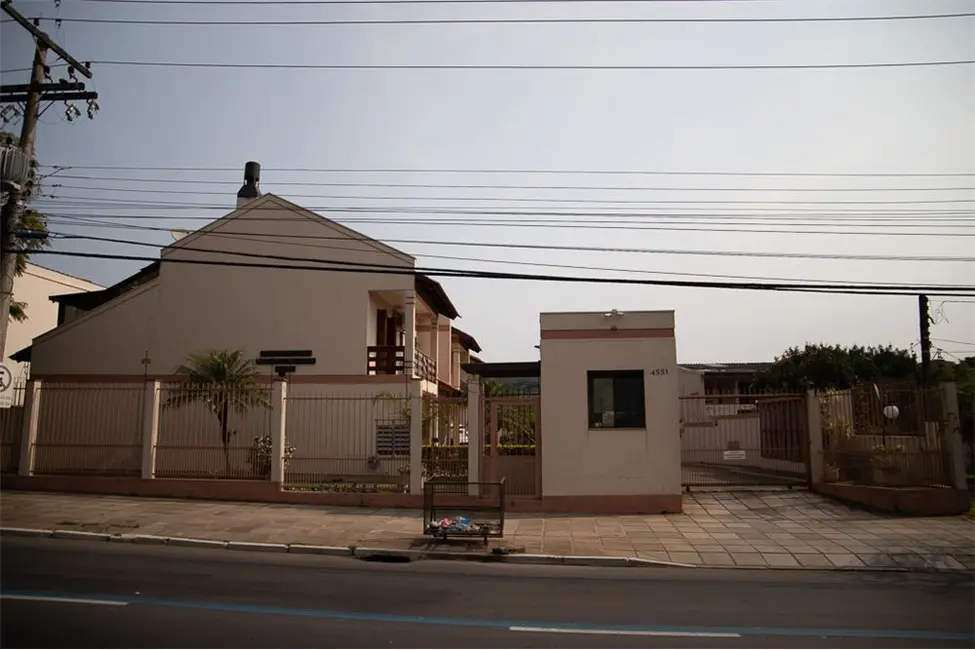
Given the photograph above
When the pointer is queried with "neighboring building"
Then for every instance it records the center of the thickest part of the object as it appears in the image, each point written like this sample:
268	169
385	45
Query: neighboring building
719	378
360	318
34	287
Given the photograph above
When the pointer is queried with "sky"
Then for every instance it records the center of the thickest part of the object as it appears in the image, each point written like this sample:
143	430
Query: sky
914	120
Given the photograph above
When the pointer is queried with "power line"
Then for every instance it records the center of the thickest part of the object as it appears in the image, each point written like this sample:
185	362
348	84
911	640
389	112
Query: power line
95	201
238	237
955	342
495	186
504	21
372	269
406	170
598	249
236	4
663	226
555	67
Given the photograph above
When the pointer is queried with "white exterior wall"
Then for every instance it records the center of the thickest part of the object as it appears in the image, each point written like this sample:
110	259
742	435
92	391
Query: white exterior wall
194	307
580	461
35	287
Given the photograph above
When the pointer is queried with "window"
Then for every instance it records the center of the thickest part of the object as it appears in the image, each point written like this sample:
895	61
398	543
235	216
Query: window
617	399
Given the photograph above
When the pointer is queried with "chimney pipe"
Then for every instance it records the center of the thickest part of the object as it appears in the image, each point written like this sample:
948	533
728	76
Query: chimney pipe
251	189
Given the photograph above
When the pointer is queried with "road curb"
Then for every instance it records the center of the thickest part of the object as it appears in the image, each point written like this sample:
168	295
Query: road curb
380	554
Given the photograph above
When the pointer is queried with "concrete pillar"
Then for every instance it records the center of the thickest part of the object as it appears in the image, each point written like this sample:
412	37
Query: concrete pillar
150	427
952	438
416	437
28	436
409	324
475	437
435	343
279	412
815	428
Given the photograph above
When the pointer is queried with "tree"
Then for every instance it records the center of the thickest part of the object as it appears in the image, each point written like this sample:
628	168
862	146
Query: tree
223	381
31	220
836	367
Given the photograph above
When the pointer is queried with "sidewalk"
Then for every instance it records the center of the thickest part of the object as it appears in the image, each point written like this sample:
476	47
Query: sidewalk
764	529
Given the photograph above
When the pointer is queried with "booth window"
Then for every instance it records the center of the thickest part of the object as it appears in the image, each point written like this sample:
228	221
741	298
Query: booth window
617	399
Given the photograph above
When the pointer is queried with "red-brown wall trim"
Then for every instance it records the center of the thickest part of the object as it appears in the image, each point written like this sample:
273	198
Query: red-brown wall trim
646	333
261	379
266	491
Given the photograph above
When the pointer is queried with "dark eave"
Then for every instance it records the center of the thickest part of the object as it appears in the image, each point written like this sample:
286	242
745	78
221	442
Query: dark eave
728	368
434	295
467	341
88	300
509	369
22	356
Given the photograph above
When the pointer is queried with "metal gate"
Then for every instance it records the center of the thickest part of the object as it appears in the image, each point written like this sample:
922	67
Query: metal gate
512	443
744	440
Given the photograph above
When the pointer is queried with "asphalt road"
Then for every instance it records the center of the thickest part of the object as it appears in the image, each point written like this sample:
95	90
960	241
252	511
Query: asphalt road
65	593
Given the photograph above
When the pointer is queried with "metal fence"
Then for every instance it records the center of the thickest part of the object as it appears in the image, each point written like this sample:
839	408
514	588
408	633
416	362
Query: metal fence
884	435
90	429
213	431
751	439
445	442
11	429
511	443
348	443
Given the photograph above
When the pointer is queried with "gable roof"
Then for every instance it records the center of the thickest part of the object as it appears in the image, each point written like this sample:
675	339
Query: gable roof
88	300
434	295
285	204
467	341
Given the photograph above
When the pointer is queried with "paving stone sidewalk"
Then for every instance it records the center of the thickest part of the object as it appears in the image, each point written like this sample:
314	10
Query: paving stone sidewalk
748	529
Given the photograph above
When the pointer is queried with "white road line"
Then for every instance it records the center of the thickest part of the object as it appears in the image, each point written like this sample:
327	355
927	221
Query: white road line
79	601
563	630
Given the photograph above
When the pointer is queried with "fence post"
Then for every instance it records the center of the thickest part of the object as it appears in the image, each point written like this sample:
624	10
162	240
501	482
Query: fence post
28	436
815	434
150	427
415	395
279	413
956	450
475	444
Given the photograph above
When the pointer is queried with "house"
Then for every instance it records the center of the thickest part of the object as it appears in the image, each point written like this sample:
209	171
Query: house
270	275
719	378
239	283
33	288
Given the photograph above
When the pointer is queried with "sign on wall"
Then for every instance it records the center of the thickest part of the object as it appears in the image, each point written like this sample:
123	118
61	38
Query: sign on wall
6	388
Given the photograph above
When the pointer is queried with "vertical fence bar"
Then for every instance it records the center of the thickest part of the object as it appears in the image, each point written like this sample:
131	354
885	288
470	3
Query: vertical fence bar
415	397
814	426
150	428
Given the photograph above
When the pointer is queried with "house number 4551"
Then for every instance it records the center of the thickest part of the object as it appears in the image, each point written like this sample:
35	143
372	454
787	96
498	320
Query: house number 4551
656	372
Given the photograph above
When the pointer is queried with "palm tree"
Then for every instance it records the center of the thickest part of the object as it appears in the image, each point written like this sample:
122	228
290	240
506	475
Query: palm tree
223	381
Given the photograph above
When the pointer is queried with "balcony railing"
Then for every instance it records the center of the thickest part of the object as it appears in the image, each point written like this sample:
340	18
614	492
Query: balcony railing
391	360
385	359
426	368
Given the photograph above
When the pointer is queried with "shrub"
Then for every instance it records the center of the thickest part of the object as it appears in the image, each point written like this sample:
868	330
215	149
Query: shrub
260	454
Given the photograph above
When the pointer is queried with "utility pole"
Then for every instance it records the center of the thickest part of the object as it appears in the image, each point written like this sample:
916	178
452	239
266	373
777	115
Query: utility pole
32	94
924	321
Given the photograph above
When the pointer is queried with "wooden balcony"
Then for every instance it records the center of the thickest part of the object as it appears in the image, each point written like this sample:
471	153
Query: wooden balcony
391	360
385	359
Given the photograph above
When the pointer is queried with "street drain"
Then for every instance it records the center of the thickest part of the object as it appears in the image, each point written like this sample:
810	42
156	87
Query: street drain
390	559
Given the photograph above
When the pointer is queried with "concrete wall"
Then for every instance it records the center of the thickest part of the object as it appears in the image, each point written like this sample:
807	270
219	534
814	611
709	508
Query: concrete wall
112	339
35	287
601	462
